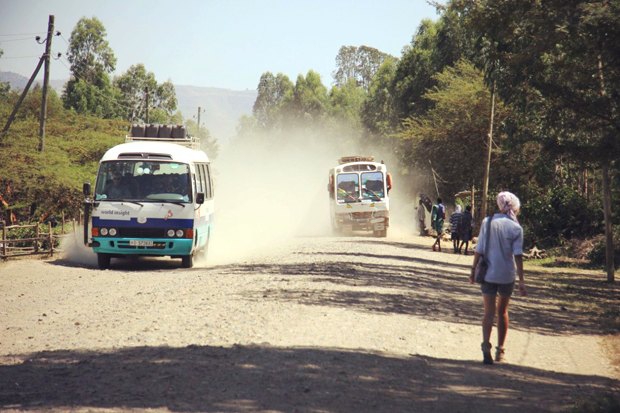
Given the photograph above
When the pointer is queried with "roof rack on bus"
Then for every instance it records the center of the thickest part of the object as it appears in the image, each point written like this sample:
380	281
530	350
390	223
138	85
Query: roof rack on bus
347	159
162	133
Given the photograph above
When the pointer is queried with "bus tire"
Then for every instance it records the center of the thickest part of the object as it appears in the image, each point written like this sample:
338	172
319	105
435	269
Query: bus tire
103	261
187	261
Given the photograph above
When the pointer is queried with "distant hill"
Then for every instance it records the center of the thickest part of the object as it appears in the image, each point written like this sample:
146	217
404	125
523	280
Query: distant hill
222	107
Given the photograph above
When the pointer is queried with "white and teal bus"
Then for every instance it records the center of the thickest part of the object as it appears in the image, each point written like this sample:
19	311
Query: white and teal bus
358	195
153	197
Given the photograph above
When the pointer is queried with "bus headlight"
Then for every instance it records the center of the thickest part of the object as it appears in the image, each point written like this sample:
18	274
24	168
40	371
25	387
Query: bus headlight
104	231
170	233
113	232
179	233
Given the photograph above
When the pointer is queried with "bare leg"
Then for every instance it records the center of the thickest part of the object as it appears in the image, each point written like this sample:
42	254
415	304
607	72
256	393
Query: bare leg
487	327
488	318
502	320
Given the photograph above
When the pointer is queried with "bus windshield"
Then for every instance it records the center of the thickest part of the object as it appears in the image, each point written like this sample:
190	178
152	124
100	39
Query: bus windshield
348	187
144	181
372	186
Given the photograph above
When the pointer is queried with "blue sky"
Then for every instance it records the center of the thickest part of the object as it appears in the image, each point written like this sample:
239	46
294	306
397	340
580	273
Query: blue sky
223	43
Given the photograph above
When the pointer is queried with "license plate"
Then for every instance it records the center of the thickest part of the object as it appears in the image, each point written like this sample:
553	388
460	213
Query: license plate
140	243
379	227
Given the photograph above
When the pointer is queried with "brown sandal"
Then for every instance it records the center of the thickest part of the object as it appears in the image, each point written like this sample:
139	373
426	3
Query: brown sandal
499	353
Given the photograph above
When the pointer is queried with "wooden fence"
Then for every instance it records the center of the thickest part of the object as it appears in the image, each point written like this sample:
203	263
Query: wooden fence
43	242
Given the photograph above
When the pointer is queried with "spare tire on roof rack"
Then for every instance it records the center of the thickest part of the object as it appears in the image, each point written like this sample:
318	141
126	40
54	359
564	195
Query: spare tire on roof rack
137	130
179	132
152	130
165	131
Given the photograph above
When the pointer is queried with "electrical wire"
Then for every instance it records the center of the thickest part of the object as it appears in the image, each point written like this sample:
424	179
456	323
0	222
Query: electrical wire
21	34
95	88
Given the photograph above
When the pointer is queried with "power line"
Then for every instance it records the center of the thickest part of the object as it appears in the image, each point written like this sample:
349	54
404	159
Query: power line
21	39
19	57
20	34
95	88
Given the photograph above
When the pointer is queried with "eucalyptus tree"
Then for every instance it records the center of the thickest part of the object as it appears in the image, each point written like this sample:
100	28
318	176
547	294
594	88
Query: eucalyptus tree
141	94
378	112
273	91
89	90
359	64
89	52
310	102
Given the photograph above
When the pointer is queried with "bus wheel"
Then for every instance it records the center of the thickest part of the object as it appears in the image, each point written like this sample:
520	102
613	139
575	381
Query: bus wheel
103	261
187	261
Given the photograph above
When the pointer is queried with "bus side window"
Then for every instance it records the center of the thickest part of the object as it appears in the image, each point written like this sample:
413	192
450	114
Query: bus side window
208	182
199	179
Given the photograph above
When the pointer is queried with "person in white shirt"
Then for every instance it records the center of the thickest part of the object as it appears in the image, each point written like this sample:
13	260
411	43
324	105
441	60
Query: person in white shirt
505	262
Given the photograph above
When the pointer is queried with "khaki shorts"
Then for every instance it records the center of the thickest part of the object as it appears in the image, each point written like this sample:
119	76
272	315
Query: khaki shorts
505	290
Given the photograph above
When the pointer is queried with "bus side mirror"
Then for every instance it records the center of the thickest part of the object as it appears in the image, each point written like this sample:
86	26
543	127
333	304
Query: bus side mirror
200	198
86	188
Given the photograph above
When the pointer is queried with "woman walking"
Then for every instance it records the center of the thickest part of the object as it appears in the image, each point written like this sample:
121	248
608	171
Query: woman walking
505	262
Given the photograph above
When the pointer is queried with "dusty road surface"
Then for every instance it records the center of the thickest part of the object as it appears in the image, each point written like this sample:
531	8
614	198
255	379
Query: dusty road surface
322	324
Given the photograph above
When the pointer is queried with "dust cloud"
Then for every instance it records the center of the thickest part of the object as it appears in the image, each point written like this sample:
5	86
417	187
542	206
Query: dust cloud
266	195
74	250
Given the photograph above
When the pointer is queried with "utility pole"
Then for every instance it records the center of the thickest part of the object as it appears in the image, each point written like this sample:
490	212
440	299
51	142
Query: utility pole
21	98
198	119
146	97
487	168
46	75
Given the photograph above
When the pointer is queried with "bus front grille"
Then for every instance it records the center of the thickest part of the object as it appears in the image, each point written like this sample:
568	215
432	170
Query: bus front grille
142	232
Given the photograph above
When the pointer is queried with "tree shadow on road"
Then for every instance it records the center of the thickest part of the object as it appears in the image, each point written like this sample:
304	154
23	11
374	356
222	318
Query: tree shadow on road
264	378
436	290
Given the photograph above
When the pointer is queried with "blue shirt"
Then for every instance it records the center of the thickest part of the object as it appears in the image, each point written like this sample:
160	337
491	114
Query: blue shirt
505	241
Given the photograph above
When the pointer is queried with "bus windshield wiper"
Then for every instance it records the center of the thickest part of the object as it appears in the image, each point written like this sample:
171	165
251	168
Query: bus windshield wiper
133	202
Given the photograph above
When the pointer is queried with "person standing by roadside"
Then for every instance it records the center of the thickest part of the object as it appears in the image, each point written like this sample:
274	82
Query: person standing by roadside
505	260
465	229
455	222
438	214
421	218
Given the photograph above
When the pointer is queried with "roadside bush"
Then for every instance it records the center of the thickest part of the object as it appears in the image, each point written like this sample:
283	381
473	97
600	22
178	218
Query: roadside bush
597	254
558	214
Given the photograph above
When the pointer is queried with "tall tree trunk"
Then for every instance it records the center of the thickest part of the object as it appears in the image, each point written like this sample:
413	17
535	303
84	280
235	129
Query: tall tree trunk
609	239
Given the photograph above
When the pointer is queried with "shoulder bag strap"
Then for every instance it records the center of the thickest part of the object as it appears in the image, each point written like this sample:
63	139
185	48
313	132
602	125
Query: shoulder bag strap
487	237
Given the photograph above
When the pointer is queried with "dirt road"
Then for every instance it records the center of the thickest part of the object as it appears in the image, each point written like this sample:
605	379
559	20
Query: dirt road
321	324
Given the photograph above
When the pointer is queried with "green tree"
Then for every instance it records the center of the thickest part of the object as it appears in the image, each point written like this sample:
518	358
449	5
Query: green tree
378	113
345	106
359	64
92	60
558	62
273	91
452	133
310	101
134	85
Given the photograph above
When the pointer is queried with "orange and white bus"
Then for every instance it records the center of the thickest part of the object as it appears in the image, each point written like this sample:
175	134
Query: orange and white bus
358	193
